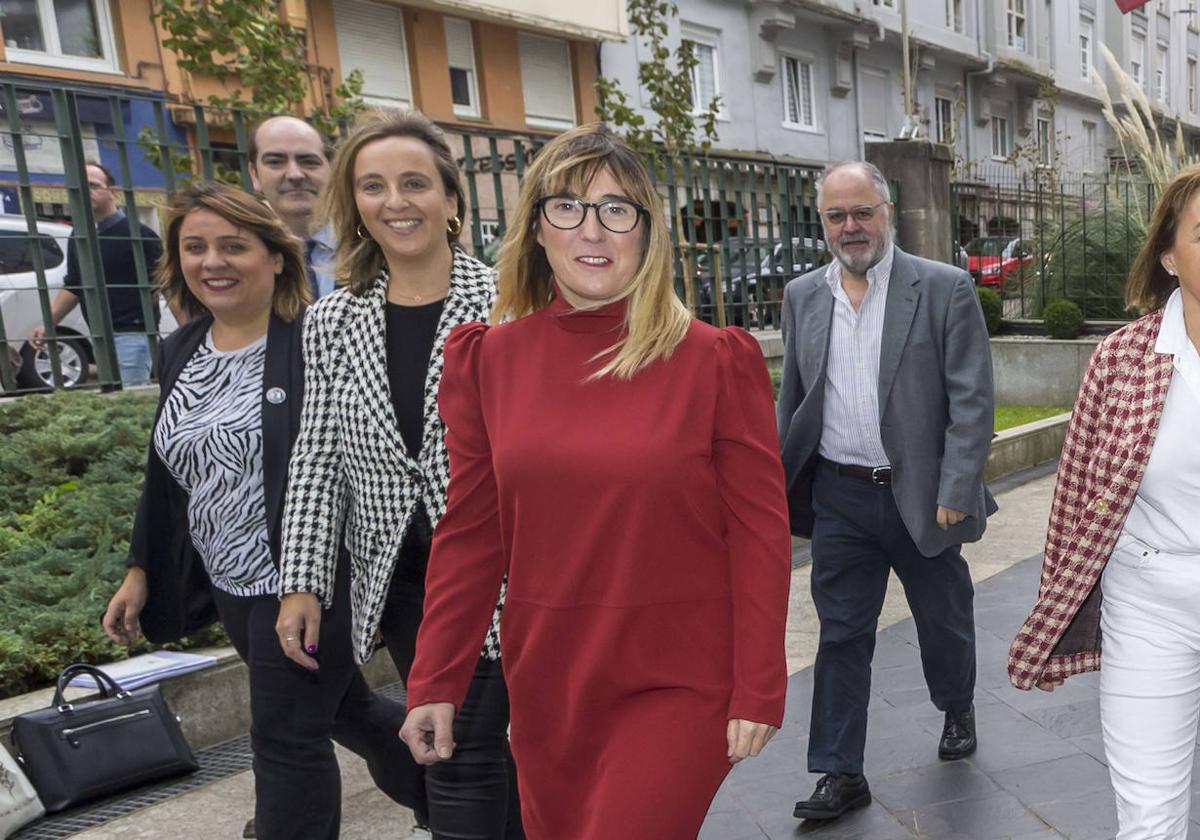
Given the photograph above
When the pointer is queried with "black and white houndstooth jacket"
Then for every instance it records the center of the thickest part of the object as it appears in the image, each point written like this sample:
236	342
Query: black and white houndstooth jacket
350	467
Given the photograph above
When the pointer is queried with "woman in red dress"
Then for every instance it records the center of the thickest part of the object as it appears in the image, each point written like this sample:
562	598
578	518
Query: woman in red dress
618	461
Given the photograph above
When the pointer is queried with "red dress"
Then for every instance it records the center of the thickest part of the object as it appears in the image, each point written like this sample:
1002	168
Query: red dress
643	527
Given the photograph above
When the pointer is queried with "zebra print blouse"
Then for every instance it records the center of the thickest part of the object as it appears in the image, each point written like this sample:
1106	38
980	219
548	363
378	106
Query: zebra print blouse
209	436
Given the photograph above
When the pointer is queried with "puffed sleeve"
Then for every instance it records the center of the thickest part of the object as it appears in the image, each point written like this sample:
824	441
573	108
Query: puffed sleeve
467	562
316	493
751	483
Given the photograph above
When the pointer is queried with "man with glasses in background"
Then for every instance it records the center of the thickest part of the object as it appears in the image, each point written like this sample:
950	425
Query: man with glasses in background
885	417
125	304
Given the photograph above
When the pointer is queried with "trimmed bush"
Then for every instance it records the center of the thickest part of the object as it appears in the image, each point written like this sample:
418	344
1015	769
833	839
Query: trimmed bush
993	308
1063	319
70	474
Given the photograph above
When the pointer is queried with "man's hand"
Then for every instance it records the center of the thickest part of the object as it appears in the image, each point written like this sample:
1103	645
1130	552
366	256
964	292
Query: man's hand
35	338
947	517
429	732
746	738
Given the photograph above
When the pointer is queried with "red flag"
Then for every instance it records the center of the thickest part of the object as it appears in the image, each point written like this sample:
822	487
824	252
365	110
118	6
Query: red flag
1127	6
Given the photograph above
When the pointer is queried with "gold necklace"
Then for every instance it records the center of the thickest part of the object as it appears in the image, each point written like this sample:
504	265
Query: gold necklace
420	298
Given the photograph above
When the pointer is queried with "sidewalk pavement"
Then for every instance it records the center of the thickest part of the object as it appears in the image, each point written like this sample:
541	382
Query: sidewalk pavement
1038	772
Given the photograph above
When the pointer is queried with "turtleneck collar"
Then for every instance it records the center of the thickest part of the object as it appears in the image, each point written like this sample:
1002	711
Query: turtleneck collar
607	318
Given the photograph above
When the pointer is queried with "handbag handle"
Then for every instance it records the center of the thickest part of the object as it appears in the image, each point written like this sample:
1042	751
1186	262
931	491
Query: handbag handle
106	685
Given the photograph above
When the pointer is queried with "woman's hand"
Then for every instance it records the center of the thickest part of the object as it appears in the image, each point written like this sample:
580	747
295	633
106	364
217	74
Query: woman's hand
1049	685
746	738
299	627
429	732
120	620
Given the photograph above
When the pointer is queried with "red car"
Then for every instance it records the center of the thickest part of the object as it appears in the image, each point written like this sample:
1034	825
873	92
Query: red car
998	261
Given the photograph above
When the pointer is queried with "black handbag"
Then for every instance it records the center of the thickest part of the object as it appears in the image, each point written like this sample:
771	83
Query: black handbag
76	752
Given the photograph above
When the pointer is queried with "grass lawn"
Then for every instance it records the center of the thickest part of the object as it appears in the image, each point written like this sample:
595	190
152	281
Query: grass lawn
1008	416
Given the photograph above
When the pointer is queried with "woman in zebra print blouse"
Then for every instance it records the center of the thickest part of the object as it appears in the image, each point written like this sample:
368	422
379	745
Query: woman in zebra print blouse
206	537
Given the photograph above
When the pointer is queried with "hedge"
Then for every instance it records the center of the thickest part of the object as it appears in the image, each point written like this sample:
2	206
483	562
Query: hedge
70	473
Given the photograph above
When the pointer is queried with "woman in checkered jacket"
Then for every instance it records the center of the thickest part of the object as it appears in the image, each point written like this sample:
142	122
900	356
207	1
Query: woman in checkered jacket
369	469
1122	557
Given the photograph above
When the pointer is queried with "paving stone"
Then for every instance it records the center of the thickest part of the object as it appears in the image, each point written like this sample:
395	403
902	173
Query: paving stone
1069	720
1093	745
1000	815
730	825
902	751
1092	816
946	781
1051	781
870	823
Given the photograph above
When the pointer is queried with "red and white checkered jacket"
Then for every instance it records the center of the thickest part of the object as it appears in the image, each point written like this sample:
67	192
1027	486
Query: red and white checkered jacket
1107	447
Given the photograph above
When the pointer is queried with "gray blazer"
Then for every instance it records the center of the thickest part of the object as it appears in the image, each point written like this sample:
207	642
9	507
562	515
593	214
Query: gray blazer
936	407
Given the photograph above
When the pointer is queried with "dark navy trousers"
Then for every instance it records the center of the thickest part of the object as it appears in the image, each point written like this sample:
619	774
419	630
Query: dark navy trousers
858	539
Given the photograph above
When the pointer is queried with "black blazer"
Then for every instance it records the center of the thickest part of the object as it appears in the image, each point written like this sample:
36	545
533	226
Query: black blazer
180	594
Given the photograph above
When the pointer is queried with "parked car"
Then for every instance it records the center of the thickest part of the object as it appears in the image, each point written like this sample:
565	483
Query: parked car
21	307
1001	262
744	273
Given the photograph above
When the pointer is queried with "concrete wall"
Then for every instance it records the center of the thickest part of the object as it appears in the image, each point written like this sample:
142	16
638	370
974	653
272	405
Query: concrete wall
1026	371
922	171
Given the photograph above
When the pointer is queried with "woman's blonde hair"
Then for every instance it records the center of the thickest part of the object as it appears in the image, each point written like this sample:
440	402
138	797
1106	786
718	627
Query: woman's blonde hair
359	257
1148	285
244	212
656	321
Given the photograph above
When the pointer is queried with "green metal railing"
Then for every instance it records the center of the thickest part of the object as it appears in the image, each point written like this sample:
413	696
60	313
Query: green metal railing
741	227
1045	236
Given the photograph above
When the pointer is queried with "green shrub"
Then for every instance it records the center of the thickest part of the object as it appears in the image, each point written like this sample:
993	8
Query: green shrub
70	473
993	308
1063	319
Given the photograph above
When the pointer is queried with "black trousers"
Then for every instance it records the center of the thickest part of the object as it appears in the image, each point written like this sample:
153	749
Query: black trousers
294	713
473	796
858	538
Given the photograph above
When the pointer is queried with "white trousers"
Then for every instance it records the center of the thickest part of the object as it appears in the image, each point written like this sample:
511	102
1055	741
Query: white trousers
1150	686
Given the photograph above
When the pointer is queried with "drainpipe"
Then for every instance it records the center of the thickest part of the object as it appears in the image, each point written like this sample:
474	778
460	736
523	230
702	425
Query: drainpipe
991	65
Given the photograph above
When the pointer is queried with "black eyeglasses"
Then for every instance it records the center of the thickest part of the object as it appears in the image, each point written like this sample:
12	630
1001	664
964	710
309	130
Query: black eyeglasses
619	215
863	213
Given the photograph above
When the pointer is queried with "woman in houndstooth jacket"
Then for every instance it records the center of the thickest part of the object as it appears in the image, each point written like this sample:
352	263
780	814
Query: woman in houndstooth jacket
370	468
1122	557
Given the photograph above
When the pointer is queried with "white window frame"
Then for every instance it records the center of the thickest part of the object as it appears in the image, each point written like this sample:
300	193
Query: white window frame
401	99
955	21
1191	83
943	126
1162	73
1000	132
1089	145
53	55
1018	24
700	37
798	60
1045	141
559	123
471	110
1137	58
1086	36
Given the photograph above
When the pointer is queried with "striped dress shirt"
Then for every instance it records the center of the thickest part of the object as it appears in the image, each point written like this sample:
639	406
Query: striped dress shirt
850	421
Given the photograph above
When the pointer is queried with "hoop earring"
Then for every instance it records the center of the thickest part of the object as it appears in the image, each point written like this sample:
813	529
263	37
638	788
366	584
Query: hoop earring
361	233
454	227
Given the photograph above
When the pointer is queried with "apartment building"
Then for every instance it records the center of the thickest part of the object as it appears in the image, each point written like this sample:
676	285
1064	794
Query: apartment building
483	66
1006	83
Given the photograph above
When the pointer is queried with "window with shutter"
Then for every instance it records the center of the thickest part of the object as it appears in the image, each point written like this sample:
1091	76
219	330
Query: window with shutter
875	104
706	75
370	38
546	81
798	98
460	54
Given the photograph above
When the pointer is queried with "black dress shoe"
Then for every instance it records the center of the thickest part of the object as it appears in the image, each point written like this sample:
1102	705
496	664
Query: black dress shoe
958	735
248	831
835	794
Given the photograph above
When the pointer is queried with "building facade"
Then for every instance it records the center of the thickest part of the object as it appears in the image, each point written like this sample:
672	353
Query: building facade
1007	83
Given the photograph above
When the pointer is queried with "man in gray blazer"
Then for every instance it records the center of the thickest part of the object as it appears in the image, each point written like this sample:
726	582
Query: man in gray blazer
885	416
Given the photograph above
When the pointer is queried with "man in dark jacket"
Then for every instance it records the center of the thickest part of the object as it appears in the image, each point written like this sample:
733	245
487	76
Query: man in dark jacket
113	231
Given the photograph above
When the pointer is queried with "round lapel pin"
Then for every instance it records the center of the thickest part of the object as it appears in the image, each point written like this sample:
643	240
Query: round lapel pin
276	395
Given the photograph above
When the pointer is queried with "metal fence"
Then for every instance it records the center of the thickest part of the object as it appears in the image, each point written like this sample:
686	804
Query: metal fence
741	226
1045	236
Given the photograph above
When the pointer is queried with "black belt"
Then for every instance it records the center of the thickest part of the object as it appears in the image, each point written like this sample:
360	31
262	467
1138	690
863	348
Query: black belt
875	475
